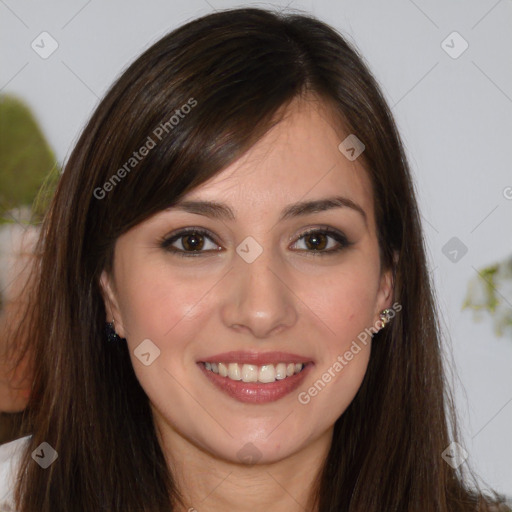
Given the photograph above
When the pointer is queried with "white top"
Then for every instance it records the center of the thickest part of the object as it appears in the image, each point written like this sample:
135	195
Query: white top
10	454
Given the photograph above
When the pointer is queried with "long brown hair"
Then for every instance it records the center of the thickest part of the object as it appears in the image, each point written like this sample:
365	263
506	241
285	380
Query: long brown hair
237	70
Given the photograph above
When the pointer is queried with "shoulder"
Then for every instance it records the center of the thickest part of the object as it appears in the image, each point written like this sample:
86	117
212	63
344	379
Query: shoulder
10	456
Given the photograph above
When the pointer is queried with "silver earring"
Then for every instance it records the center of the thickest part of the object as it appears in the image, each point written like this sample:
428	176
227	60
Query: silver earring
385	317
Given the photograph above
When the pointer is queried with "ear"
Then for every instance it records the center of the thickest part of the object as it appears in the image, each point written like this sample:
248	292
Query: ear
111	303
386	288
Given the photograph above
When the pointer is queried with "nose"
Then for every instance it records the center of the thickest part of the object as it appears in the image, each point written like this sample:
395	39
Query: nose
258	300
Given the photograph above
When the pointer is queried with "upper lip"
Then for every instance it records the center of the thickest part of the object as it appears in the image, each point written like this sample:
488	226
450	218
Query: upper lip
256	358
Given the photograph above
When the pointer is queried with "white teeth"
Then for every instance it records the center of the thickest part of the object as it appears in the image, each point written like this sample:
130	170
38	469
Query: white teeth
249	373
267	373
252	373
223	370
281	371
234	372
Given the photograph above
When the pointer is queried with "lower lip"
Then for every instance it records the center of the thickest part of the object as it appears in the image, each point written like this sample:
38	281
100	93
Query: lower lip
256	392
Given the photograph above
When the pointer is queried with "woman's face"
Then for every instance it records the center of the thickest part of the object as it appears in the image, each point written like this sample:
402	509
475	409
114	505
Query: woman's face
268	278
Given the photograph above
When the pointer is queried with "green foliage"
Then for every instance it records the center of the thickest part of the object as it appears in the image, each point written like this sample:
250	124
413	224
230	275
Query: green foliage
28	169
490	291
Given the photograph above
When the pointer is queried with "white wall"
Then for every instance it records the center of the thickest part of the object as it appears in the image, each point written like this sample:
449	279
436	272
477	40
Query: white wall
455	116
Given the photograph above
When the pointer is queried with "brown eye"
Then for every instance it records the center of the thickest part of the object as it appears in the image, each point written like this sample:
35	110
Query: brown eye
316	241
193	242
190	242
322	241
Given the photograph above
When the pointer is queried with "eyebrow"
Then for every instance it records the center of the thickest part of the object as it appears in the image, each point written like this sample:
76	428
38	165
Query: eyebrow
222	211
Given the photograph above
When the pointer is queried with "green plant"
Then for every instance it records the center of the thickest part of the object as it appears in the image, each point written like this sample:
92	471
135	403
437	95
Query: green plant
28	168
491	291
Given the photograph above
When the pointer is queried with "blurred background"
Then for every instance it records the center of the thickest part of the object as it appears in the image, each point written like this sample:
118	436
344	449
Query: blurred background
445	71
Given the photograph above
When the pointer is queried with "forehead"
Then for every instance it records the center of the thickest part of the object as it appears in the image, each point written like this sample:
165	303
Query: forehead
297	160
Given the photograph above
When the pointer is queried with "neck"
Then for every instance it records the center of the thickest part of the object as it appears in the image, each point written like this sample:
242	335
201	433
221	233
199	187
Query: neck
207	482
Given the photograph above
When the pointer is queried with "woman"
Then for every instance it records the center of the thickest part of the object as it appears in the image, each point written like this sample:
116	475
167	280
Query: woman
239	210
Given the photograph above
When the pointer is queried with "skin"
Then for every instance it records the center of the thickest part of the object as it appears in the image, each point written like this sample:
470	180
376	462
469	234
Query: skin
15	376
15	379
289	299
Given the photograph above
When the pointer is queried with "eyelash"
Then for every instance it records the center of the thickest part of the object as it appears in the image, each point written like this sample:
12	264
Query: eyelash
166	242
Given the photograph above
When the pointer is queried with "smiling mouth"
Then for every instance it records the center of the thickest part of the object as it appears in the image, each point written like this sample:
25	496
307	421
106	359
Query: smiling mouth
264	374
241	381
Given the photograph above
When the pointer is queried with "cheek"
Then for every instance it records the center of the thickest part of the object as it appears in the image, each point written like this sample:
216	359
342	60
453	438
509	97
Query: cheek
345	303
156	302
167	305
